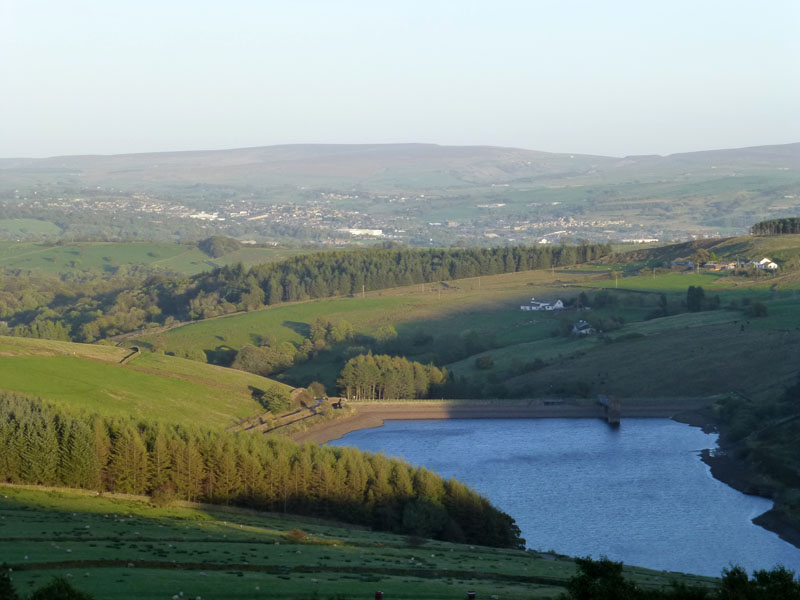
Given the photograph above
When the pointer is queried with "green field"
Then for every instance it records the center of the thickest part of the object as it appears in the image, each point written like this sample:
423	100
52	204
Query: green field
658	354
149	386
408	309
669	282
108	547
185	259
682	355
10	228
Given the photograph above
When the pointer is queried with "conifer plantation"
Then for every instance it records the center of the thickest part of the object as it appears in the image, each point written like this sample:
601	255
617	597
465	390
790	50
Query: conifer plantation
785	226
46	446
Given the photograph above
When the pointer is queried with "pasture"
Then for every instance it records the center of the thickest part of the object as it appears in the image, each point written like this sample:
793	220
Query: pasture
185	259
148	386
681	355
110	546
449	306
22	228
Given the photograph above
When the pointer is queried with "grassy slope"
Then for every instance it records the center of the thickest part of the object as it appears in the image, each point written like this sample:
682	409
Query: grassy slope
12	227
778	247
681	355
408	309
182	258
242	554
151	386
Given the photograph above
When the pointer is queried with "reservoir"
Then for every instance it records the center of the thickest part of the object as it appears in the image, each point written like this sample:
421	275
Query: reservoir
639	493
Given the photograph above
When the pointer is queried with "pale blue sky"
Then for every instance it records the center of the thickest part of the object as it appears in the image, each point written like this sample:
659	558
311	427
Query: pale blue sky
589	76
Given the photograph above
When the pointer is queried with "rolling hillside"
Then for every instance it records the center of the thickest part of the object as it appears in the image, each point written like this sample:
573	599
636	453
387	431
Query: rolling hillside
781	248
93	379
185	259
404	308
108	546
680	354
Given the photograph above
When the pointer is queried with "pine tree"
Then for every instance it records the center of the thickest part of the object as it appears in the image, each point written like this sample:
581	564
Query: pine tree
252	476
101	444
226	474
38	448
9	457
188	468
128	468
160	462
78	463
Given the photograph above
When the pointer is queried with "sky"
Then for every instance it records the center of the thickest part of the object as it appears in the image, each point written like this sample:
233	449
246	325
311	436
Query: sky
604	77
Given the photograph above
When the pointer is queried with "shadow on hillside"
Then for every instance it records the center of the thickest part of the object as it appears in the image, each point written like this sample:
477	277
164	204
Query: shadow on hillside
303	329
221	355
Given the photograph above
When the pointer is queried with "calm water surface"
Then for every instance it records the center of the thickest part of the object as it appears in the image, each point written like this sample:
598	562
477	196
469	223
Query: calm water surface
639	493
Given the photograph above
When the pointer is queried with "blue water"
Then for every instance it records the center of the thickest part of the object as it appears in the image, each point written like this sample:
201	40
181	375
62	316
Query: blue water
639	494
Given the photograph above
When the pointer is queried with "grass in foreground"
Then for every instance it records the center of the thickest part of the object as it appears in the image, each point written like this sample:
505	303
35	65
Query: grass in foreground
120	548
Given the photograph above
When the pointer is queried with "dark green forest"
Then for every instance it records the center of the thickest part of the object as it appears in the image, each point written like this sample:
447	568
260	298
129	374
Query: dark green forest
46	446
777	226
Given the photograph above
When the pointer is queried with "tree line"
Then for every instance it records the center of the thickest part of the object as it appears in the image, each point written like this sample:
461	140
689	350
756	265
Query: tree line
47	446
605	579
325	274
381	377
86	307
777	226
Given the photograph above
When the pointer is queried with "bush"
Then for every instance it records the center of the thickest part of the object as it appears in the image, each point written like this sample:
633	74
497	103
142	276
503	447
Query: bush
276	400
484	362
7	591
316	389
218	245
163	496
296	535
59	589
756	310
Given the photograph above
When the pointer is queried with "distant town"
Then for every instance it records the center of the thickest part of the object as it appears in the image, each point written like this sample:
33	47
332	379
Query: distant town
330	218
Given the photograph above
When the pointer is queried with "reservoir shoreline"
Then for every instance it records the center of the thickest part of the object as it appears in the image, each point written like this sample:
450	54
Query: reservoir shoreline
695	412
367	415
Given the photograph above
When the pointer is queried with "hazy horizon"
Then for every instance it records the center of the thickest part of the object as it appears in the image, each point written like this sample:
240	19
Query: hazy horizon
189	150
615	79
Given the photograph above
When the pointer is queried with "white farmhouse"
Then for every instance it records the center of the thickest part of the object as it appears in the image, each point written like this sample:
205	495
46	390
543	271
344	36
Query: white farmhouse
534	305
767	263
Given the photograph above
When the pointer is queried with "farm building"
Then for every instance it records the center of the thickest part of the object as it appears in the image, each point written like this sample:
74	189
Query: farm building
534	305
583	328
767	263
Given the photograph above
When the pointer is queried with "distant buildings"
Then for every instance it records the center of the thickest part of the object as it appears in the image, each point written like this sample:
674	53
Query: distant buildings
363	232
583	328
534	305
765	263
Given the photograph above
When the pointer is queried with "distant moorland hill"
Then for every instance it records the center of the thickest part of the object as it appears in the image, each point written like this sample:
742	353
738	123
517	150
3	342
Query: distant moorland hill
363	163
413	193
